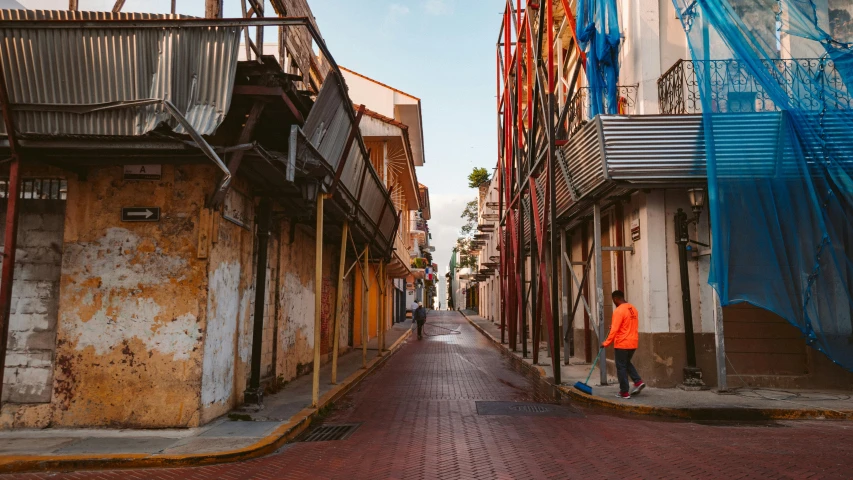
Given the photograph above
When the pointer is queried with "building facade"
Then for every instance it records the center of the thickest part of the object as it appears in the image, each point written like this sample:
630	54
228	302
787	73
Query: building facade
393	129
178	256
626	192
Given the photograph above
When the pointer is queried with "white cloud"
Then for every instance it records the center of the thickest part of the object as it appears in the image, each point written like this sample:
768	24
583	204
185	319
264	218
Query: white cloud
438	7
444	227
395	12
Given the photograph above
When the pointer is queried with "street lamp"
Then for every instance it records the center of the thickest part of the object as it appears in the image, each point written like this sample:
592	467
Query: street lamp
692	373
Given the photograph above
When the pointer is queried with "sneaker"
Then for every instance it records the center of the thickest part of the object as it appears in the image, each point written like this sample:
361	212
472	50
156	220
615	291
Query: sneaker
638	387
624	395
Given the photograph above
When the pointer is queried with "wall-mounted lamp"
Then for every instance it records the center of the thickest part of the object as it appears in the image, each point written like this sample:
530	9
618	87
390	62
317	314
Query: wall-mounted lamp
697	200
309	191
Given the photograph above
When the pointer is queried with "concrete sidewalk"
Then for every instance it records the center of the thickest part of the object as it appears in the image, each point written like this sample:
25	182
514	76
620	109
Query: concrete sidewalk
739	404
239	435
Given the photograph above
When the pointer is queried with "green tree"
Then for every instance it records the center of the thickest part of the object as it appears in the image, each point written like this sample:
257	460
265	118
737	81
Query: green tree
463	243
478	176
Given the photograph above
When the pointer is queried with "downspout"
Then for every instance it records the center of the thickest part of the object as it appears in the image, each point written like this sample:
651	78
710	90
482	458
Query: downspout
11	233
255	394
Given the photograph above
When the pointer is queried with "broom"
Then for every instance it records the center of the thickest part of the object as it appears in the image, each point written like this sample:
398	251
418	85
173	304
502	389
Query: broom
582	386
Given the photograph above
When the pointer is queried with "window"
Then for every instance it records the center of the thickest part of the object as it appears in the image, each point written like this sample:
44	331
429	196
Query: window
38	189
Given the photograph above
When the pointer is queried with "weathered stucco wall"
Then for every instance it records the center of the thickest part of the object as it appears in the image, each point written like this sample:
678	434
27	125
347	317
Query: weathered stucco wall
153	322
132	303
28	375
230	301
296	300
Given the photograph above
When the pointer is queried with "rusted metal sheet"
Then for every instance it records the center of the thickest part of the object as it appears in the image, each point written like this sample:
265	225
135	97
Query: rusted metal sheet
192	67
329	128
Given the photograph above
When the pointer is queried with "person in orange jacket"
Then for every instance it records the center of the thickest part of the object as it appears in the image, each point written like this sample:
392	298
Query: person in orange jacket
624	336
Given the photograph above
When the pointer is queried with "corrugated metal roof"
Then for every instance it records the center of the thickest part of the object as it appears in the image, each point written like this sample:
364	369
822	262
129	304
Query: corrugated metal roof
614	151
50	70
328	127
672	147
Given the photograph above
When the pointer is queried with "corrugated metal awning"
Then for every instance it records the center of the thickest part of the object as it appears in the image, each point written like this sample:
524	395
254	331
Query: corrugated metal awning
112	81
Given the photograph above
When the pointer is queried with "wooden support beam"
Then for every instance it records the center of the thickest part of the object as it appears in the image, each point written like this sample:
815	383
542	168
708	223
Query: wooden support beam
380	323
365	288
246	135
342	263
118	6
213	9
318	298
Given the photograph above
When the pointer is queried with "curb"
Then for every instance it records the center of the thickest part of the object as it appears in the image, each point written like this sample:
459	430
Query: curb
686	413
265	446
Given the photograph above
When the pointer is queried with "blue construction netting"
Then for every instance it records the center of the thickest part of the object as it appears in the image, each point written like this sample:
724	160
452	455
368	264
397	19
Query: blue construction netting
782	217
599	36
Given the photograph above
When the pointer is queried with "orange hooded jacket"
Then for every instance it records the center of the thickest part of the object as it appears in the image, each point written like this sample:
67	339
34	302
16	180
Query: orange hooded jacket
624	328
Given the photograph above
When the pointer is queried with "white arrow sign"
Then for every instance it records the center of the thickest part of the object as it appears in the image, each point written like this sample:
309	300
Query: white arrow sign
140	214
147	214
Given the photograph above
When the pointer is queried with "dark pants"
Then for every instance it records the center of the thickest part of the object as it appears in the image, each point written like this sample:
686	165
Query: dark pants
624	369
421	327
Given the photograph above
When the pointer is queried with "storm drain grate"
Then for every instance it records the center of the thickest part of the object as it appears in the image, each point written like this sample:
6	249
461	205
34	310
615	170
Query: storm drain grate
326	433
530	408
525	409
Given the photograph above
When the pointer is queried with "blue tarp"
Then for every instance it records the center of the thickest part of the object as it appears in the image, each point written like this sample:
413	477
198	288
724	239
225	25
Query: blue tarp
783	241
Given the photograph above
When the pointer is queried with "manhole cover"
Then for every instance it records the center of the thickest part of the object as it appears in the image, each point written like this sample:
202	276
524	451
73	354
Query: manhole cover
525	409
327	433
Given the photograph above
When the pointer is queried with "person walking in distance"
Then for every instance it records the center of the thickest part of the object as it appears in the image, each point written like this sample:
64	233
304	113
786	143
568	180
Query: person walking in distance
420	318
624	336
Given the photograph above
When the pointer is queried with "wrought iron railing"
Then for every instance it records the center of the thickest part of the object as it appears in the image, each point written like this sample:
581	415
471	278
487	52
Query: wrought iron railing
814	83
579	106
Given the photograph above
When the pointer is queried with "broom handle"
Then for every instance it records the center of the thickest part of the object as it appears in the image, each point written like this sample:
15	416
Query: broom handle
593	364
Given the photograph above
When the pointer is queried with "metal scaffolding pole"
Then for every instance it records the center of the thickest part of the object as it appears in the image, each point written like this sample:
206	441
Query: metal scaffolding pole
599	289
564	308
722	382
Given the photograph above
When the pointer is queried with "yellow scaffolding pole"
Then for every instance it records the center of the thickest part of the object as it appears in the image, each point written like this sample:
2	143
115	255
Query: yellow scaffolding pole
364	302
342	263
318	299
380	324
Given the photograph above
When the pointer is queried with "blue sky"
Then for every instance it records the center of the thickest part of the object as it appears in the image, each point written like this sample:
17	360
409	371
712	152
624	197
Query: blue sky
442	51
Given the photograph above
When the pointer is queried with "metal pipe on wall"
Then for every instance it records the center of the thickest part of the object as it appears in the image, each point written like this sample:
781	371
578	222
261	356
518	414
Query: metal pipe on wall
255	394
11	234
339	300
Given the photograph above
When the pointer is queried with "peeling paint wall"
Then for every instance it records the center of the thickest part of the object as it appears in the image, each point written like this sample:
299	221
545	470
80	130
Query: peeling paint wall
28	374
230	303
150	335
132	301
296	300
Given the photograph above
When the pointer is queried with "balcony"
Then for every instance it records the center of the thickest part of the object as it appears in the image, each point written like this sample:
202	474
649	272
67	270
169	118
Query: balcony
418	229
401	260
579	111
735	90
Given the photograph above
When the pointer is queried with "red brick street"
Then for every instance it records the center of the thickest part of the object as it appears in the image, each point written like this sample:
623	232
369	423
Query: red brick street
419	420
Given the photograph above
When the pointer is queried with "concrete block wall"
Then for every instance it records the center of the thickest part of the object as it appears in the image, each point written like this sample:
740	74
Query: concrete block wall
31	346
